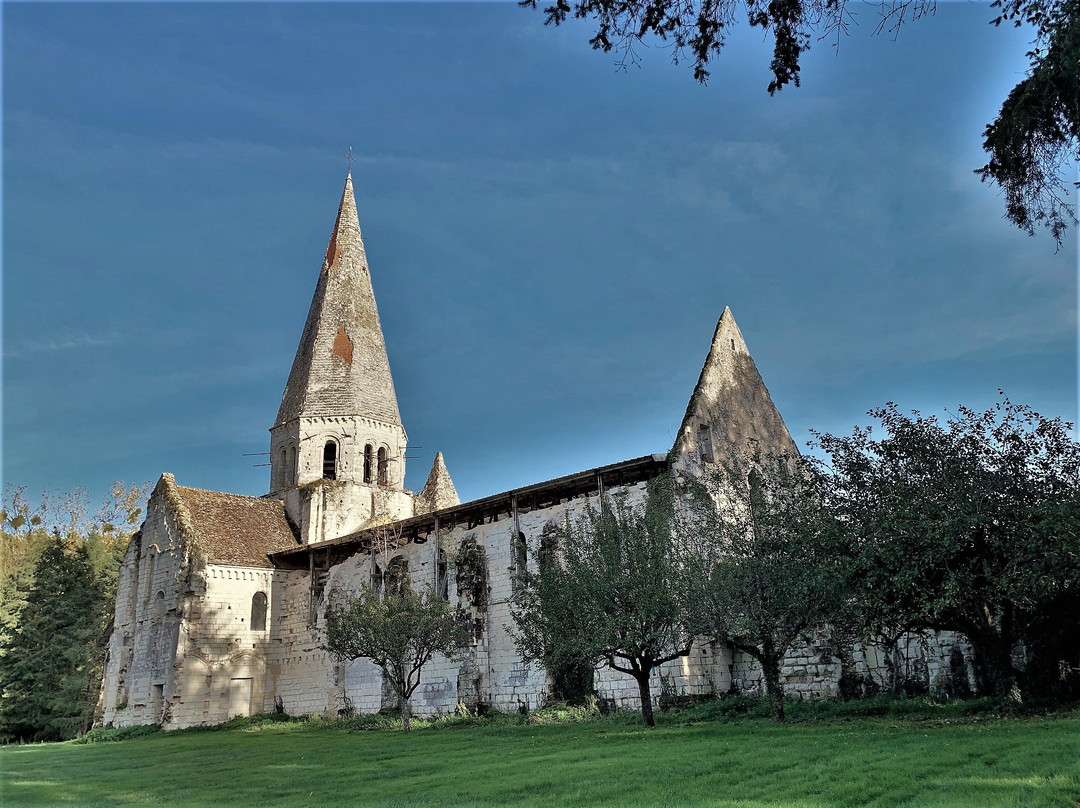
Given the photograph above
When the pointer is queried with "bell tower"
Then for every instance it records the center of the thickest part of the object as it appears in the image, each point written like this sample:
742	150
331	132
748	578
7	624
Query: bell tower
337	447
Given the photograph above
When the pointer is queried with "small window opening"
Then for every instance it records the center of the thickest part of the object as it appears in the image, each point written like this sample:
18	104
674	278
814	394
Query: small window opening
384	464
329	461
443	583
549	545
150	564
733	345
753	479
705	443
367	463
397	576
258	611
521	559
283	473
290	467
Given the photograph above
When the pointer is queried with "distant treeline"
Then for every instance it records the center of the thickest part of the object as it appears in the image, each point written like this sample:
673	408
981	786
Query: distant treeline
58	573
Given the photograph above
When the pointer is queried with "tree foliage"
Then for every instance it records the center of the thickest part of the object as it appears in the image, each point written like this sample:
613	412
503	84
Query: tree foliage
777	572
400	633
47	667
1036	133
970	526
55	614
619	584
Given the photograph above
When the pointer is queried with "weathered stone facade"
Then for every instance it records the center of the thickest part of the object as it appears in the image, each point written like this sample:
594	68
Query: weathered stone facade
221	597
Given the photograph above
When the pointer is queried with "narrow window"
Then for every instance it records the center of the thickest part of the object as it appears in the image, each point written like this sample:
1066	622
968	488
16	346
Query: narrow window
151	561
753	479
290	467
397	576
549	545
521	559
443	584
329	461
283	471
705	443
258	611
384	464
367	463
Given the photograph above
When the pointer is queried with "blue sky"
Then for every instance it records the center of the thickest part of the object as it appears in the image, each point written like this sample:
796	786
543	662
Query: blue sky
551	239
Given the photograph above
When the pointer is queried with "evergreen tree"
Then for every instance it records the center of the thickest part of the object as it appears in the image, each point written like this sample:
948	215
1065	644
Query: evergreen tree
47	659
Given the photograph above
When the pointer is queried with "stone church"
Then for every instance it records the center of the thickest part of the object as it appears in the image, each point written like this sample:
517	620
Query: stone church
221	596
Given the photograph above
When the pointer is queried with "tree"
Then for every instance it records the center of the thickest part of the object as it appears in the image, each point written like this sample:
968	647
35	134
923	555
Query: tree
1035	134
618	586
27	530
778	570
972	526
400	633
47	661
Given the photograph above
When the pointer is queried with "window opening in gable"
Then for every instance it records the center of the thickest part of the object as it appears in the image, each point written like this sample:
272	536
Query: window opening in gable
705	443
329	461
150	564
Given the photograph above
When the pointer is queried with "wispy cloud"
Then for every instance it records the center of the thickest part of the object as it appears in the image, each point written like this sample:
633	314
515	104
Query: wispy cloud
66	342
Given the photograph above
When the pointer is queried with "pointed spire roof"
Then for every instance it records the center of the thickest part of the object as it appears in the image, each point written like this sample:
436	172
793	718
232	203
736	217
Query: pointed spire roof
731	398
341	367
439	491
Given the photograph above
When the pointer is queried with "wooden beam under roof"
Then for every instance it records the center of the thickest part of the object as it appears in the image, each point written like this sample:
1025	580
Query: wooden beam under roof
416	529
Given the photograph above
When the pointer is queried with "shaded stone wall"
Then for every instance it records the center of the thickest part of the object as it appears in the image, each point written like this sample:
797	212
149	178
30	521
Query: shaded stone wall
151	590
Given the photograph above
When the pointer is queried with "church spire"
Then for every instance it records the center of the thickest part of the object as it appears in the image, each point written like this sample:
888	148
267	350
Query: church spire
341	368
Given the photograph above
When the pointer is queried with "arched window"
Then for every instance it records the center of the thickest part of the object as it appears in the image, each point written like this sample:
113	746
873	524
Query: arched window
384	464
150	564
329	461
158	612
521	559
367	463
283	470
258	611
290	467
397	576
442	584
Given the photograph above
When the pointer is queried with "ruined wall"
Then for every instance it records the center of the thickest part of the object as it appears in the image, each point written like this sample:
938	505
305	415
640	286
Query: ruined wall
139	666
491	671
927	661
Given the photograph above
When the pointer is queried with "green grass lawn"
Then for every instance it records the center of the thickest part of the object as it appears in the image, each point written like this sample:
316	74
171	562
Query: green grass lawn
881	761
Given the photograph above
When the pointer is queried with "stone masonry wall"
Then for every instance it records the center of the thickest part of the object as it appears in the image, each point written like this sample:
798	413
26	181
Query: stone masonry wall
139	667
491	670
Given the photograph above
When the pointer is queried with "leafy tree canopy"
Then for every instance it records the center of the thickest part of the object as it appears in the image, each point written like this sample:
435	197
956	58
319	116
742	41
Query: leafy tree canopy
972	526
619	586
400	633
47	666
778	572
1030	143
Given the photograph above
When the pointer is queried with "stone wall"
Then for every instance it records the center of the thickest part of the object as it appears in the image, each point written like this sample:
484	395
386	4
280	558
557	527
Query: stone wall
151	590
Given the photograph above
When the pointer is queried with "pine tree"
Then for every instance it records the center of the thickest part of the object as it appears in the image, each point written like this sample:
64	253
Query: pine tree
47	659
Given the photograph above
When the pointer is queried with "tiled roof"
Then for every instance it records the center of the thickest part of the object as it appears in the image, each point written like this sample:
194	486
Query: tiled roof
233	529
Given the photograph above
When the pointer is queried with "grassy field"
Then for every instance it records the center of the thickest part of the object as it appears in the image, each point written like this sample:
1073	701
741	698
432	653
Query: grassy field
903	760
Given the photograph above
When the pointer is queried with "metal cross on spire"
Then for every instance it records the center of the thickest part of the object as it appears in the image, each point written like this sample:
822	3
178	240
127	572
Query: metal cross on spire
350	158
